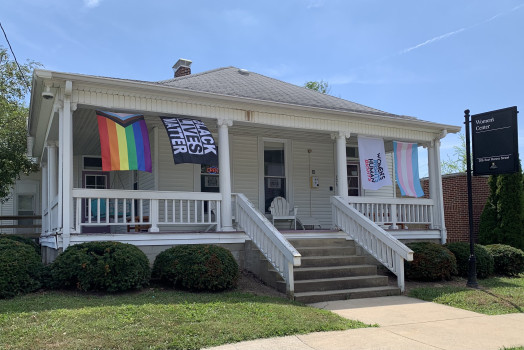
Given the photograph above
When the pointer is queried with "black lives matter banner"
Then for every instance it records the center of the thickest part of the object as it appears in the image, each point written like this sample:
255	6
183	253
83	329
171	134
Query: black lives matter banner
495	142
191	141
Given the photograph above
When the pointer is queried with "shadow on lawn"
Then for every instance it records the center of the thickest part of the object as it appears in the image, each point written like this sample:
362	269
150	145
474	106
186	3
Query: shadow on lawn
495	289
497	282
54	300
502	300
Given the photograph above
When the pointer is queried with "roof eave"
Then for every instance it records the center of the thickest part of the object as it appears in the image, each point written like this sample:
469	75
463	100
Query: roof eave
142	85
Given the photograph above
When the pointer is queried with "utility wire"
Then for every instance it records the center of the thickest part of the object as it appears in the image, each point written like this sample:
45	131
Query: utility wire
14	56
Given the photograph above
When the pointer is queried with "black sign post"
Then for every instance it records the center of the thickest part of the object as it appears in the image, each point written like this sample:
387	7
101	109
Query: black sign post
472	270
495	151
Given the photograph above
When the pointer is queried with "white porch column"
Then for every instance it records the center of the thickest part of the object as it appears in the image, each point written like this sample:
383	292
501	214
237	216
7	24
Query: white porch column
45	200
224	166
342	171
435	189
52	173
66	162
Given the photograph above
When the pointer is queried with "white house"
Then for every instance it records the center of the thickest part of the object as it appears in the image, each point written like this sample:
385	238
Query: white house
274	139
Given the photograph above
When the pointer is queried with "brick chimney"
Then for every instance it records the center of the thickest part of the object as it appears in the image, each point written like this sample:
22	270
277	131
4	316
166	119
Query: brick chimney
182	67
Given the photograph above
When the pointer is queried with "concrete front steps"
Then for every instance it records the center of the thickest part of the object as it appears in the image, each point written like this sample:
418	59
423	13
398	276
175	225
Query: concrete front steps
332	270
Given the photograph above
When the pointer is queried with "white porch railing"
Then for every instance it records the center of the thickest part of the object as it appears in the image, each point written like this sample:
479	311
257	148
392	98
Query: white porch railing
154	208
394	211
275	247
381	245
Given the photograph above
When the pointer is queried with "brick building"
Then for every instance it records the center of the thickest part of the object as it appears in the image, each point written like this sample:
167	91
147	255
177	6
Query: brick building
455	193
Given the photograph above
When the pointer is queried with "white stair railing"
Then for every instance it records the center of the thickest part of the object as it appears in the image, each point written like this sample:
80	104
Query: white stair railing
275	247
389	251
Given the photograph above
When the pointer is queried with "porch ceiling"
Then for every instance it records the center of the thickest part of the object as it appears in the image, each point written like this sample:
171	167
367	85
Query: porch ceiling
87	142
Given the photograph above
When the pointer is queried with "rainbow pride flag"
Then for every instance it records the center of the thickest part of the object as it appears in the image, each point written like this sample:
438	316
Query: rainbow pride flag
124	141
406	168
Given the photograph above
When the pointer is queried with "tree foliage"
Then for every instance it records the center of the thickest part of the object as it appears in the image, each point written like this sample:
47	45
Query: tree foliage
320	86
14	85
458	163
502	220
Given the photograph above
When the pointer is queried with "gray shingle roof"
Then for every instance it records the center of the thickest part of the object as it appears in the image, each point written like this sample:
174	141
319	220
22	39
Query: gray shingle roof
231	81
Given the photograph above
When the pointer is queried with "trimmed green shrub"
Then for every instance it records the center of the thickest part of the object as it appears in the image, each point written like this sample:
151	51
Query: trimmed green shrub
483	259
509	261
431	262
21	239
20	268
101	266
196	267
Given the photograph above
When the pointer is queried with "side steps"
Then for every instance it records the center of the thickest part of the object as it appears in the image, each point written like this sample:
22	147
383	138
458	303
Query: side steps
332	270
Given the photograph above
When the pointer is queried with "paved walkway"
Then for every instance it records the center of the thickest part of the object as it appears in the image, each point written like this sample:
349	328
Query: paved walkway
405	323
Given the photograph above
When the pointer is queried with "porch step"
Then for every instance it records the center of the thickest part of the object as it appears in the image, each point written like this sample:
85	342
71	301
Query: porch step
354	293
331	269
323	242
334	260
336	283
309	273
327	251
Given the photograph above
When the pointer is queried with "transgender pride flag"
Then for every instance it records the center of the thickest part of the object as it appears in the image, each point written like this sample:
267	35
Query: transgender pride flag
406	169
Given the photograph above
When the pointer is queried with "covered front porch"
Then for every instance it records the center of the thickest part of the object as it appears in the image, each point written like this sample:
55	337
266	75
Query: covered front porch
307	155
251	164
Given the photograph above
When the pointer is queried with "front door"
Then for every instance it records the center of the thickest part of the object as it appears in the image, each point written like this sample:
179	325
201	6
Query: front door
274	172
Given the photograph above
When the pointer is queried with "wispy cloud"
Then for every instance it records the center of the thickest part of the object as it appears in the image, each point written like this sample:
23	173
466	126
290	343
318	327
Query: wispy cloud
455	32
354	76
432	40
311	4
92	3
240	16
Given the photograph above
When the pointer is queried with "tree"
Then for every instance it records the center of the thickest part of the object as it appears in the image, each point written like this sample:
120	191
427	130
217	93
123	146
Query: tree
14	85
503	216
459	163
320	86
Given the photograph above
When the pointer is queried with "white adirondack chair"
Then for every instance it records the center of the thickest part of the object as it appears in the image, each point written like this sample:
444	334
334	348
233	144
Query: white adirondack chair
281	210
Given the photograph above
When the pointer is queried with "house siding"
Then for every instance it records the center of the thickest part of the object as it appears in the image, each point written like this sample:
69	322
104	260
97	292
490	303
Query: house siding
7	209
244	167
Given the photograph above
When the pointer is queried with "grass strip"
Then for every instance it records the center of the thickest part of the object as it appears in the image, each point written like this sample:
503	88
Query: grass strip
495	296
154	319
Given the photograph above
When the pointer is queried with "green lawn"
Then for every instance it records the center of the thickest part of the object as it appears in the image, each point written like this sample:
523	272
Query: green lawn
495	296
154	319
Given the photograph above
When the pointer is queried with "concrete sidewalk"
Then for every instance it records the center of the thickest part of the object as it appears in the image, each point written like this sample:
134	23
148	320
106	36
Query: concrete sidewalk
405	323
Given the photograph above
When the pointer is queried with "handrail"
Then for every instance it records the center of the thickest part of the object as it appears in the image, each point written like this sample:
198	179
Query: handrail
275	247
381	245
385	200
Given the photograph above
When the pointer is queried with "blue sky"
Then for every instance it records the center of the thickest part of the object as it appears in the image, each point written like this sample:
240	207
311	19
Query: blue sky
427	59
